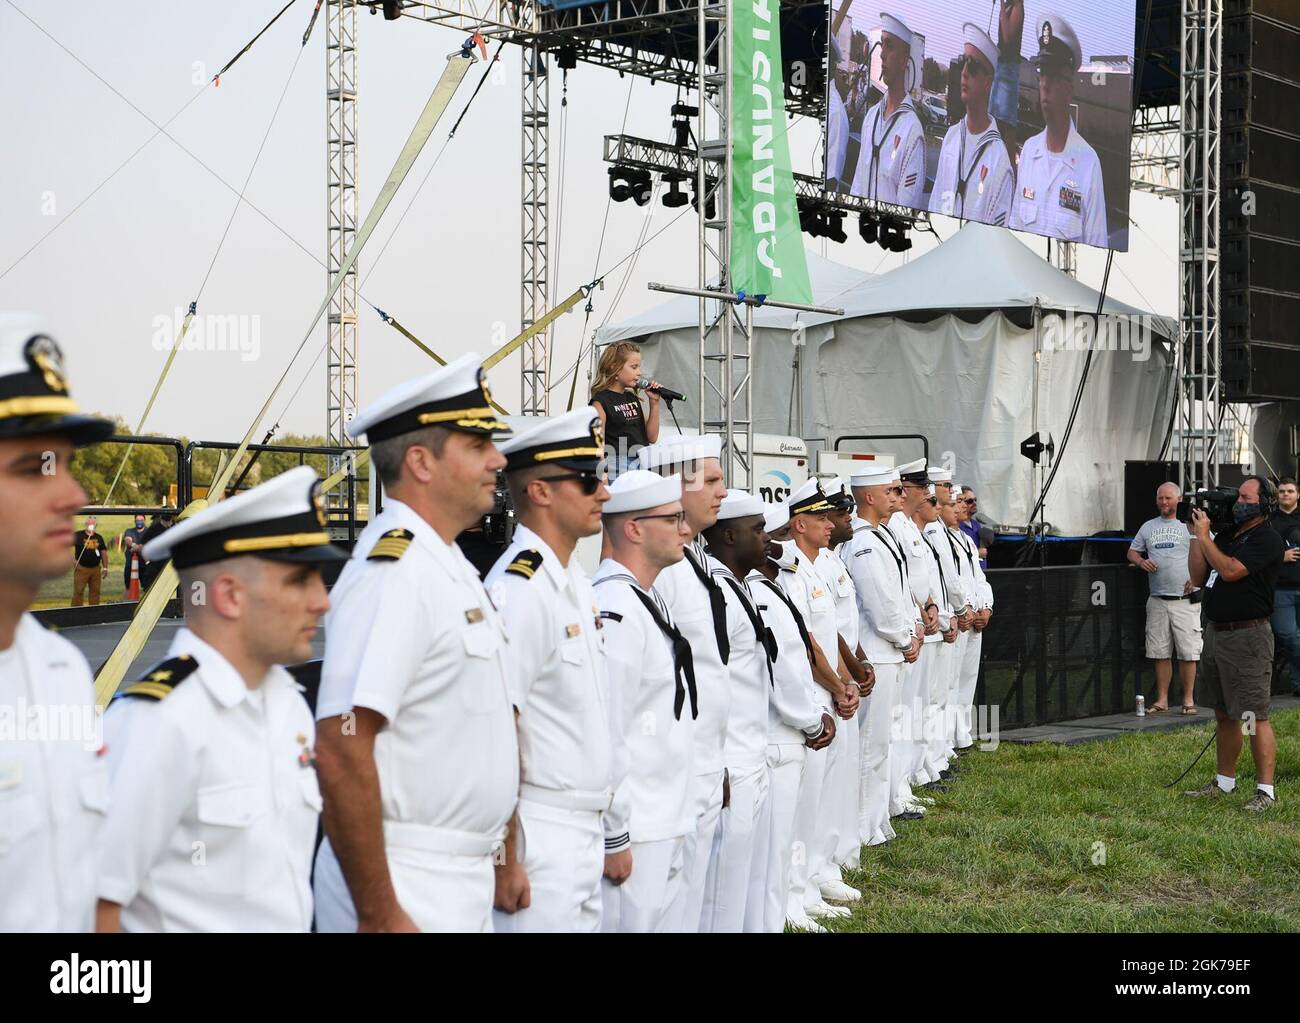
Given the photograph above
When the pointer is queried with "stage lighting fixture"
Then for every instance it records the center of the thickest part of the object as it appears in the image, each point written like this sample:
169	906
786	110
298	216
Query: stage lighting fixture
566	58
809	221
674	197
620	184
834	229
392	10
867	227
642	187
682	113
711	205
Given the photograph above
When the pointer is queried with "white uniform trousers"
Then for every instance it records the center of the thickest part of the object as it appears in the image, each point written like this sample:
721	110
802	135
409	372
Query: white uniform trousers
938	746
848	851
873	806
785	764
563	853
954	686
738	865
902	748
650	900
924	769
970	673
438	891
807	807
824	841
707	800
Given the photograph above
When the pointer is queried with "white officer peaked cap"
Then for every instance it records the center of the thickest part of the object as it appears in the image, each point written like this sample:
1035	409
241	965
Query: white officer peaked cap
455	396
895	27
875	476
282	519
775	517
938	474
639	489
679	449
808	499
34	396
739	504
979	39
1057	42
573	441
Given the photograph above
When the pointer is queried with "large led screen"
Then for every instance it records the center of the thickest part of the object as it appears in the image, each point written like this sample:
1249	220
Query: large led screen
1015	113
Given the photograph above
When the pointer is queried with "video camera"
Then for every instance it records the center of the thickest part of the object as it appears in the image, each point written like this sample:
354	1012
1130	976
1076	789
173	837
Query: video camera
1216	502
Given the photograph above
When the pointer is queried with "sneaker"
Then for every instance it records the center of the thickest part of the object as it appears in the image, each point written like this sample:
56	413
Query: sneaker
1259	802
803	922
1210	789
825	911
838	891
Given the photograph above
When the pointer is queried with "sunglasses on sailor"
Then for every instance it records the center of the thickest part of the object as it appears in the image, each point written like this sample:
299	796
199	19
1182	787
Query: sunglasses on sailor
589	481
973	65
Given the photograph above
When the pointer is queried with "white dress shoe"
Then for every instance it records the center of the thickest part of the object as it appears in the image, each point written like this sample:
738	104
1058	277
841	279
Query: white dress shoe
825	911
838	891
805	923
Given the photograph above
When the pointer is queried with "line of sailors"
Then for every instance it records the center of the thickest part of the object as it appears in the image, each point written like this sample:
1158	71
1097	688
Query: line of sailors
701	736
1053	186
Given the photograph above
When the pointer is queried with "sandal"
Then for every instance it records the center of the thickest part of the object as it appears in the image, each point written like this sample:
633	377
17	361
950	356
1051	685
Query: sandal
1157	710
1190	710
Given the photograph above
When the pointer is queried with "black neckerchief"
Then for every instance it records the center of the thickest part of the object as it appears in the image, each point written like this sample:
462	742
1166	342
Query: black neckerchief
683	662
939	564
956	558
903	107
898	559
761	632
963	179
798	618
717	604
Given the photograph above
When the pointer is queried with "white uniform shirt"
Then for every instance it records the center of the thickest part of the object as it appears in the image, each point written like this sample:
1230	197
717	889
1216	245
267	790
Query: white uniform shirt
954	598
53	786
879	571
653	746
978	592
1060	194
982	163
836	576
751	682
215	802
809	593
897	173
794	709
418	641
922	575
558	681
688	600
837	134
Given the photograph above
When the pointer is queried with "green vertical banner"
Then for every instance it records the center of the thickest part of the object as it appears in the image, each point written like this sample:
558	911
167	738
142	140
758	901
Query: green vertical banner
767	256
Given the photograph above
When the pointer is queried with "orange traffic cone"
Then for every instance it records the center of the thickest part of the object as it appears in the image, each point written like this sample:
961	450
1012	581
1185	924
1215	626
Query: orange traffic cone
133	589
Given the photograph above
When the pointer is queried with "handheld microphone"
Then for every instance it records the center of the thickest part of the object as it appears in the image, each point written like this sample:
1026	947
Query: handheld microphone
666	393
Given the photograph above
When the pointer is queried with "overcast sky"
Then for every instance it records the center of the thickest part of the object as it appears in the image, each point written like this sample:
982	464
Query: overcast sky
139	248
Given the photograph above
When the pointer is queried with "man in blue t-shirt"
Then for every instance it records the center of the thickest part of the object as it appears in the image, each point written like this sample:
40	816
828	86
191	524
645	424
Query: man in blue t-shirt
1173	621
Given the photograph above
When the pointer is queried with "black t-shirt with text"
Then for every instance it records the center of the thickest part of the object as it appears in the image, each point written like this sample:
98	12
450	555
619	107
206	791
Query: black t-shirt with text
625	431
1260	550
88	550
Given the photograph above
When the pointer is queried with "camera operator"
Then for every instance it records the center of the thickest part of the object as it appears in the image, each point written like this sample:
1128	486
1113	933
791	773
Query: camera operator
1239	569
1286	599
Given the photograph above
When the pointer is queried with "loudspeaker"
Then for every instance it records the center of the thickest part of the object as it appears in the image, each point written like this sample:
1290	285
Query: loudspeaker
1260	372
1141	480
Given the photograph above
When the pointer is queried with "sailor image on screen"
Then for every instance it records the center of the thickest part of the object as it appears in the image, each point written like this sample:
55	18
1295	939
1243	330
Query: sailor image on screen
975	178
837	114
891	161
1059	190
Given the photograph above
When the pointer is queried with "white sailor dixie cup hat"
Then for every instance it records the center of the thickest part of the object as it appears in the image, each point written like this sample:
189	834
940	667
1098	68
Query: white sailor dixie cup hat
679	449
455	397
572	441
776	517
874	476
34	396
808	499
639	489
939	474
740	504
281	520
895	27
1057	43
978	38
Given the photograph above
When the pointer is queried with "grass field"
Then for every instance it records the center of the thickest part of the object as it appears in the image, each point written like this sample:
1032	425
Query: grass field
1012	845
58	592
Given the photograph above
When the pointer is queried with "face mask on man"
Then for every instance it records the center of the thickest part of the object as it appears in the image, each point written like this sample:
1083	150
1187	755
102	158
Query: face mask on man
1244	512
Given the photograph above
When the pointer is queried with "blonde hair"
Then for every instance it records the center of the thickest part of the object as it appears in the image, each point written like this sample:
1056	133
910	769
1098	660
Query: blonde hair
612	361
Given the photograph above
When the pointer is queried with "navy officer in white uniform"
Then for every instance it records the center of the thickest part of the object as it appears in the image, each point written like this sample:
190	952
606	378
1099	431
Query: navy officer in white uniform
53	788
1059	190
558	683
416	743
215	799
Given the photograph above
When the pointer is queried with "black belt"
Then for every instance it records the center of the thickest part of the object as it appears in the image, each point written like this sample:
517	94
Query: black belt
717	604
1162	596
683	662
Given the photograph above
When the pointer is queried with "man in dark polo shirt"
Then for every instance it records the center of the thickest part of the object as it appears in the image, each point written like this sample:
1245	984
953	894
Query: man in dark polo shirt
1239	569
1286	600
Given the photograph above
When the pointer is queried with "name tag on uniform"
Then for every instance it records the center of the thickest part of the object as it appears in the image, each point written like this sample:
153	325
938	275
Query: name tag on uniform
572	631
1028	193
474	615
818	593
1071	199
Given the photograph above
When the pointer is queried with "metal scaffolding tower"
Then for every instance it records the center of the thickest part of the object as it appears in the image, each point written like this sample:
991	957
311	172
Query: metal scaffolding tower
341	216
534	296
1200	409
